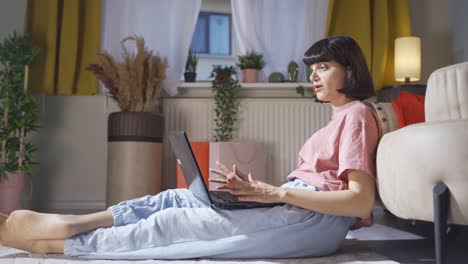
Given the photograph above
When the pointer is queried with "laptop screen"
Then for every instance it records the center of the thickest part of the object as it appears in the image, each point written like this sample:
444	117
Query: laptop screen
188	164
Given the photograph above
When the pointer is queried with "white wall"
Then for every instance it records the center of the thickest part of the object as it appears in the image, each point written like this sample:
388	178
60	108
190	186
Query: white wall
11	17
458	14
72	151
430	22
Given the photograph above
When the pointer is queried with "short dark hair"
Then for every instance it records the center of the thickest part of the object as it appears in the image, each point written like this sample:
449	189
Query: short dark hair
345	51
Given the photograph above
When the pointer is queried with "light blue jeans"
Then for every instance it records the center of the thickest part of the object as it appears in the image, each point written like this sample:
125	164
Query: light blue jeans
176	225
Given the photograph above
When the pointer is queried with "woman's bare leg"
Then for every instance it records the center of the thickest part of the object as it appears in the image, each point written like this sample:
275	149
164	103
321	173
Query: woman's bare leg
24	226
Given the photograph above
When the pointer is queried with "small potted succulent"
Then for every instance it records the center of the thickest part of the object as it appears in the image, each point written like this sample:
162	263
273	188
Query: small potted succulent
250	64
190	74
293	71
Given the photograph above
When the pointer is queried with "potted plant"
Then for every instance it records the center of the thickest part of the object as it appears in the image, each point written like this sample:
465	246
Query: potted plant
190	74
19	112
248	156
135	133
225	91
250	64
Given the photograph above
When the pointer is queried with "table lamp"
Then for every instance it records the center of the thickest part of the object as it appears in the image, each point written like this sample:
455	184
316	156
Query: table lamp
407	59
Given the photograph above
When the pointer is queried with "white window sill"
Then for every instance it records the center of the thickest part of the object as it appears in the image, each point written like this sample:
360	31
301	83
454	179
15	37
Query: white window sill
216	57
248	90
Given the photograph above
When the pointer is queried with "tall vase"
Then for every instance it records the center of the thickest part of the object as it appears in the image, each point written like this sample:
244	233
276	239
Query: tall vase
11	190
134	155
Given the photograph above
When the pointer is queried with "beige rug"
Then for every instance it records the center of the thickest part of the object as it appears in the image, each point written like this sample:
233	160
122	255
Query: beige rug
10	256
354	251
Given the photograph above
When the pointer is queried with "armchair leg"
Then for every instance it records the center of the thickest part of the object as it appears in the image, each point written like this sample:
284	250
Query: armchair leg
440	192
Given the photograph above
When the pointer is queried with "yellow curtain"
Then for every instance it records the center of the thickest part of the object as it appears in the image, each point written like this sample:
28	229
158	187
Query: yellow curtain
68	34
374	24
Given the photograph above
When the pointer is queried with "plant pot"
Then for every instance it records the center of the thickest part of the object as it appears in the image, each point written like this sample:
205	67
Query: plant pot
249	75
11	190
134	155
190	76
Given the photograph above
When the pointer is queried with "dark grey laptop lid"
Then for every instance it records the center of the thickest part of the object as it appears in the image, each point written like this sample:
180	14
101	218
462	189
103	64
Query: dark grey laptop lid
185	158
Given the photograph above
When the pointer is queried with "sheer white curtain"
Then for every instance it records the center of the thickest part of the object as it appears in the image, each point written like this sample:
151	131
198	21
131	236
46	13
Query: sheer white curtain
166	25
281	30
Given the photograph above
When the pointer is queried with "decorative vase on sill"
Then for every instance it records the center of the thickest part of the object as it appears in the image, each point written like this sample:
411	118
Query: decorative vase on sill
250	64
135	135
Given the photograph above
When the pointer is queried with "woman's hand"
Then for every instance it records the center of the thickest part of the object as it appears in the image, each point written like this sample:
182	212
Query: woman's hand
226	173
245	187
255	191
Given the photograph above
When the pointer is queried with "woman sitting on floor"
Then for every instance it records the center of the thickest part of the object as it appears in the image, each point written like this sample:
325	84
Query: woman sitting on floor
331	191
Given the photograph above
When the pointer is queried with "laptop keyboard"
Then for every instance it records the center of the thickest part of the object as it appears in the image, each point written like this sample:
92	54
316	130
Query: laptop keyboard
221	196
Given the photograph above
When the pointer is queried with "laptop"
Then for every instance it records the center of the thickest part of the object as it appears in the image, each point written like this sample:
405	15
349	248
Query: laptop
218	199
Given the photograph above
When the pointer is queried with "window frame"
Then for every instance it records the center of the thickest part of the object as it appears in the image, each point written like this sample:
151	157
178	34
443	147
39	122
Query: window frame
207	15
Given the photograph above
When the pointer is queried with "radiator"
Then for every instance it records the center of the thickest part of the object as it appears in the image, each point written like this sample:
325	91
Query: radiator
281	124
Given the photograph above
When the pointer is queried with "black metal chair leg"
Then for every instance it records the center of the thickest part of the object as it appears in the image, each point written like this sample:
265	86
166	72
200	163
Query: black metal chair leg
440	222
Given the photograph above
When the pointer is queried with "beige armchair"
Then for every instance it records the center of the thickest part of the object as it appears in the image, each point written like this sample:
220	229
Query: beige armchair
422	169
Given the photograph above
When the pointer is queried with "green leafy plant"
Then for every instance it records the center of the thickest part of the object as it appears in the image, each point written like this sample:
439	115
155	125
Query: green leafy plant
301	90
19	110
251	60
192	62
225	91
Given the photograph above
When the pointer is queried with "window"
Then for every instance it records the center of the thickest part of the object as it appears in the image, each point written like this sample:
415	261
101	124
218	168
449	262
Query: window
212	34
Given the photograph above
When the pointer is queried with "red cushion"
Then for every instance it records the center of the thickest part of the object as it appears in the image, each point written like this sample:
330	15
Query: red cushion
409	109
399	113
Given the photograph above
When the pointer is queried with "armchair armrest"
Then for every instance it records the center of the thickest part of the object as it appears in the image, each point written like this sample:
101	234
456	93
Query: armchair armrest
412	160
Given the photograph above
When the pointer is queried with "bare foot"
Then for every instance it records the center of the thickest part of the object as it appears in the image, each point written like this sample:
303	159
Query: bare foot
39	246
28	225
32	245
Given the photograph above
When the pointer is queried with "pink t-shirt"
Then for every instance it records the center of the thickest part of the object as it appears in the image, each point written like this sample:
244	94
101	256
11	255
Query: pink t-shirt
349	141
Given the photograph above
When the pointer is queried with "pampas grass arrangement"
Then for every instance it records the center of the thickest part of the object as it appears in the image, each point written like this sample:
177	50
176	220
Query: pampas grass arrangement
134	81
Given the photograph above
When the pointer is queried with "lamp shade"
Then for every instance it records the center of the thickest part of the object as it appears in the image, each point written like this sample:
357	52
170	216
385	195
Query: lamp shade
407	59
